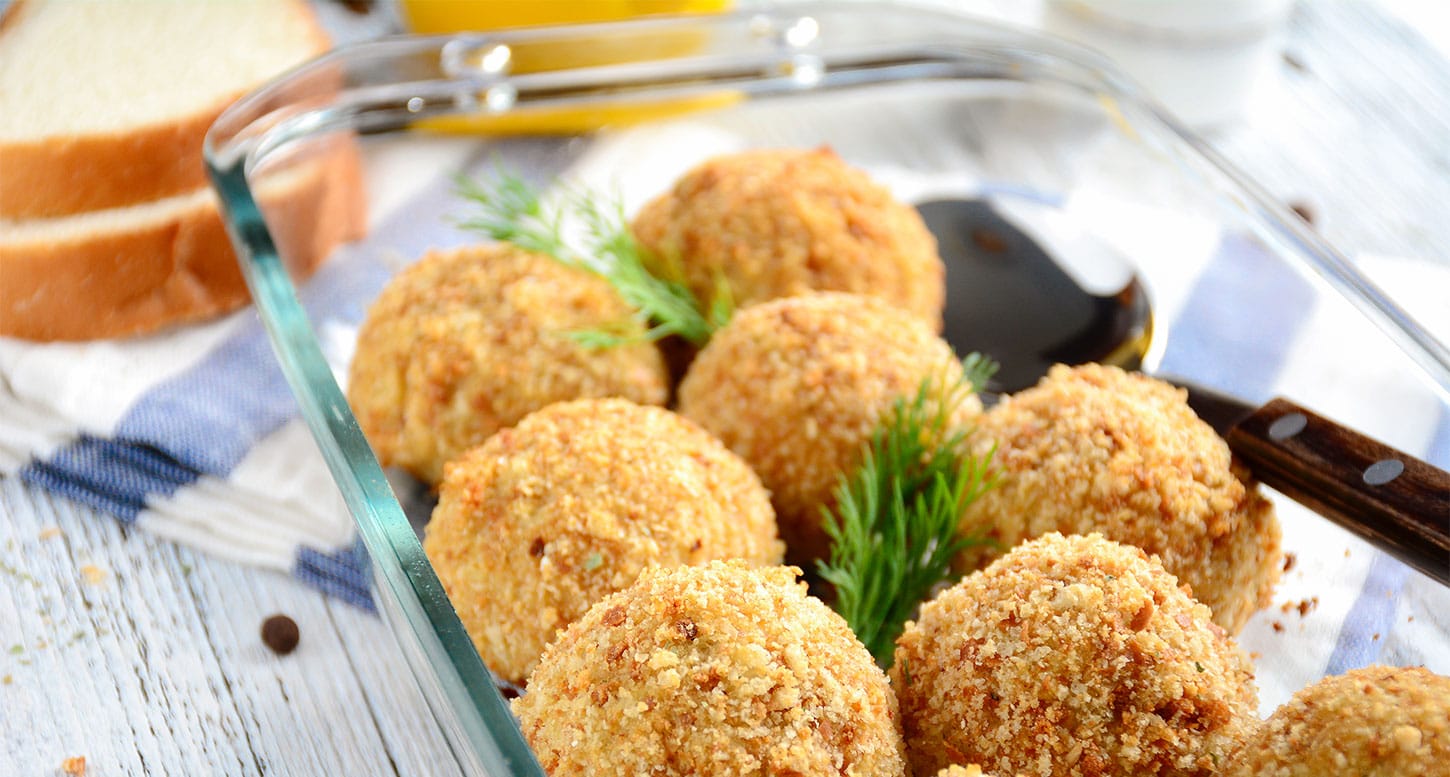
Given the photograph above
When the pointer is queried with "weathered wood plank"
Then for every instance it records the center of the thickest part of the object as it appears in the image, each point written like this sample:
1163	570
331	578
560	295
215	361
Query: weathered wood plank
112	665
153	664
1358	127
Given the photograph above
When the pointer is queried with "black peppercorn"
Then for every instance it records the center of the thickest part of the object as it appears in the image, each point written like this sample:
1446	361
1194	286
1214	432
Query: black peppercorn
1303	211
279	633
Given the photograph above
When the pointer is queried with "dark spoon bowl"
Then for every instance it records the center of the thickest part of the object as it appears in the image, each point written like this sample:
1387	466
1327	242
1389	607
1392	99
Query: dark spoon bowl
1008	298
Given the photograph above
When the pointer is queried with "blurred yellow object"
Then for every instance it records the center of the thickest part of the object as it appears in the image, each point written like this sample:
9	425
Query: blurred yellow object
439	16
444	16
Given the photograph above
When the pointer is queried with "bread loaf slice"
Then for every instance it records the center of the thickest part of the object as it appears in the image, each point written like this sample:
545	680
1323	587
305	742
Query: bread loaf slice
132	270
104	104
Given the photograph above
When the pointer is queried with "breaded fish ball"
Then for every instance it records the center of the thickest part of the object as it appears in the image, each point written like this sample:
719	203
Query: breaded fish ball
1374	722
465	342
1071	656
1097	449
796	386
552	515
776	223
714	670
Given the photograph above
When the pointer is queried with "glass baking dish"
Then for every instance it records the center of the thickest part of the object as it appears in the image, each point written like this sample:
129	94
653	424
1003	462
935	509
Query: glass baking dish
931	104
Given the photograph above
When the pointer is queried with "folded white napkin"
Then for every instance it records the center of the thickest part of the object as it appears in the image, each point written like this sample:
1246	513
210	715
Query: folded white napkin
191	434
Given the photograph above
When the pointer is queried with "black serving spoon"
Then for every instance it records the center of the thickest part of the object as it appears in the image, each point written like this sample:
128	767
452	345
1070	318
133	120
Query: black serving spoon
1008	297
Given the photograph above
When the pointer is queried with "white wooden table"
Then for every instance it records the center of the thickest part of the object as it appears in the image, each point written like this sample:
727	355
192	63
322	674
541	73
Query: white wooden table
144	657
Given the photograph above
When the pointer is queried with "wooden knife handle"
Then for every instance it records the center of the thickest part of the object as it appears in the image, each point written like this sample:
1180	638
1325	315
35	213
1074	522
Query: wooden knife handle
1393	500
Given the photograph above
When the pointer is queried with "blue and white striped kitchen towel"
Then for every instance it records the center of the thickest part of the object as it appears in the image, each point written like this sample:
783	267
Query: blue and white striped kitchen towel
192	434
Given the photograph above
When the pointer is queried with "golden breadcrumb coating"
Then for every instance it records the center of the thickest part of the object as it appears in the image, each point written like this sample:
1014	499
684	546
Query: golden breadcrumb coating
970	770
777	223
796	386
1374	722
1071	656
550	516
1097	449
713	670
468	341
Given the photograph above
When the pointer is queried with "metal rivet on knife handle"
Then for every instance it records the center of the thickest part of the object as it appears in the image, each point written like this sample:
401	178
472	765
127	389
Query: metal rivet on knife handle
1287	426
1383	471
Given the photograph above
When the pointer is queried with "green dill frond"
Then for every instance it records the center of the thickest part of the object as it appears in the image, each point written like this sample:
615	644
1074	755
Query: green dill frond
722	302
611	334
977	369
509	210
894	527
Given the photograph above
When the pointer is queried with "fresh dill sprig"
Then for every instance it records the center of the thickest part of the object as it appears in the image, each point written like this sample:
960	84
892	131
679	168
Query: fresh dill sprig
977	370
511	211
894	527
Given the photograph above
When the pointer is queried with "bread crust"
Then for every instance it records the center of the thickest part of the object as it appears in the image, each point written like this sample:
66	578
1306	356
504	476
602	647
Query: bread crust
64	175
172	269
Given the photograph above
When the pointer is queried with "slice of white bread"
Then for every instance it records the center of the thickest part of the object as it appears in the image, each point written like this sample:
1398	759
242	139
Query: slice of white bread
133	270
104	104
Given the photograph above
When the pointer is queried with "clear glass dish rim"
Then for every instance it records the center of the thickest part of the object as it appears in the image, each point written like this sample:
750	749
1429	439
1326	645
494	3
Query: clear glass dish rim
954	46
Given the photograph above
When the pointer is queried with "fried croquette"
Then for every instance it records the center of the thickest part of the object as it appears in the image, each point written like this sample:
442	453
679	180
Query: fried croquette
549	516
468	341
1071	656
776	223
1375	722
1097	449
796	386
713	670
